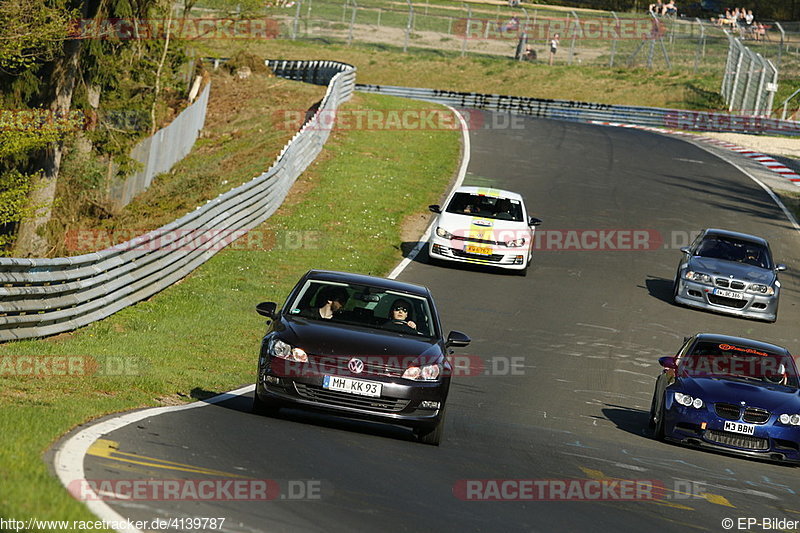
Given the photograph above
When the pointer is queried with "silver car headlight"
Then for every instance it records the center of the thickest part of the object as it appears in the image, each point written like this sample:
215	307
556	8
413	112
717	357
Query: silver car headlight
787	419
443	233
283	350
686	400
516	243
697	276
423	373
759	288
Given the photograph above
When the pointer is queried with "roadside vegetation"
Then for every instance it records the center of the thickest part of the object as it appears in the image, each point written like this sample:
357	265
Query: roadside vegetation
201	336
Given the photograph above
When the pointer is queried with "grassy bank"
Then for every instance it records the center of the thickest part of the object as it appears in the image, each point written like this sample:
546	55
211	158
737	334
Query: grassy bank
389	66
201	336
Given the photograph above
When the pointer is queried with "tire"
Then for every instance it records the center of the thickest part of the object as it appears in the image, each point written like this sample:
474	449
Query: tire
268	408
431	434
675	286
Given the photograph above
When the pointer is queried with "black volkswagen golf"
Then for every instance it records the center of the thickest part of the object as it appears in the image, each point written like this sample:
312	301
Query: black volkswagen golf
358	346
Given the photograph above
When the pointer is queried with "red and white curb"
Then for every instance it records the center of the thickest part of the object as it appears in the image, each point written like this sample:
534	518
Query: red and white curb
767	161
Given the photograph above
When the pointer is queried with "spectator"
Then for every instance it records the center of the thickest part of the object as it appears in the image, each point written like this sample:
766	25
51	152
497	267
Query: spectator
553	48
657	8
670	9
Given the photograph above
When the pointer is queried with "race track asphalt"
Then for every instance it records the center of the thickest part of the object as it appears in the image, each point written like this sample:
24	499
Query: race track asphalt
569	362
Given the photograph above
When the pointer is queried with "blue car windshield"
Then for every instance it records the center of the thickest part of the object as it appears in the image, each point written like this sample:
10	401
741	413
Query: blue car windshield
739	251
744	363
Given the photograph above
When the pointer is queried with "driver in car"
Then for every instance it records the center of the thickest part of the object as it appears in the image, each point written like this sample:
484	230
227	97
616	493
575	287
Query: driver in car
400	317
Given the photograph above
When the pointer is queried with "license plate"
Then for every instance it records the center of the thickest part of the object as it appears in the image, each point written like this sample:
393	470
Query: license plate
352	386
479	250
729	294
738	427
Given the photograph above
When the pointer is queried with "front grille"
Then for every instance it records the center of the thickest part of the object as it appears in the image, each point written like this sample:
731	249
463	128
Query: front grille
337	365
726	283
474	239
727	302
494	258
755	416
738	441
726	410
343	399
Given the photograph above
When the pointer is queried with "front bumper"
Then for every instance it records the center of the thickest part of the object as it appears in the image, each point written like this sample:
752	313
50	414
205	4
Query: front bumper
501	256
399	403
770	442
698	295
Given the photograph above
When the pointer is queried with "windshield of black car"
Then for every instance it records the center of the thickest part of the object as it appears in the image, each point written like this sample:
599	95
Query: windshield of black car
723	360
730	249
365	306
478	205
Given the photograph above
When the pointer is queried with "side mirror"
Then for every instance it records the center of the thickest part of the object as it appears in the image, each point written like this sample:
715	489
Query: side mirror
780	268
267	309
668	362
533	221
434	208
456	338
686	250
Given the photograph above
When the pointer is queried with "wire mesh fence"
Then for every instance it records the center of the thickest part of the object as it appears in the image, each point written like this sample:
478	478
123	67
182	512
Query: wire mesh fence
750	81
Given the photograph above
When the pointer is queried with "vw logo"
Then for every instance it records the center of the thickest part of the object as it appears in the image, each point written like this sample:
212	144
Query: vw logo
356	366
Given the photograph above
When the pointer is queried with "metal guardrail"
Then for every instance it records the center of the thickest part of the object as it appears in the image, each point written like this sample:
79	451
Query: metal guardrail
40	297
159	152
584	111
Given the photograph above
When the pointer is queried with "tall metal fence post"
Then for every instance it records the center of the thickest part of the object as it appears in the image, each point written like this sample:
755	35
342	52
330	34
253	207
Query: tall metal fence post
772	86
296	19
352	22
408	24
344	10
466	32
700	44
577	26
379	17
780	46
736	75
614	39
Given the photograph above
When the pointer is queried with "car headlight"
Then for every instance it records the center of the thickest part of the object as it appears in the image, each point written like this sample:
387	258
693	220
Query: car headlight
441	232
423	373
794	420
697	276
516	242
686	400
761	289
283	350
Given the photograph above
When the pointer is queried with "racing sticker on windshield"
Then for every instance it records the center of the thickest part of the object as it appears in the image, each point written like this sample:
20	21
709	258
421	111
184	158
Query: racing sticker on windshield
488	192
730	347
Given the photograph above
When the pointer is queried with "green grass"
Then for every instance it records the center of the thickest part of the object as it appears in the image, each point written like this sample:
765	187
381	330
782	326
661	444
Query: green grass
201	336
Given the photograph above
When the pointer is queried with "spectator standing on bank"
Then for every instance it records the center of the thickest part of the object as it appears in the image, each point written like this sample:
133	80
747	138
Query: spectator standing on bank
553	48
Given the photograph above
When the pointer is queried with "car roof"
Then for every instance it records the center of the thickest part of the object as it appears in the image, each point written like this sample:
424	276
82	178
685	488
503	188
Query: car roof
737	235
740	341
489	191
362	279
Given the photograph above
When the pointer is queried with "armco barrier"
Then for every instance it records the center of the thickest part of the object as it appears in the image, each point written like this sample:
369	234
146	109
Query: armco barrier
41	297
584	111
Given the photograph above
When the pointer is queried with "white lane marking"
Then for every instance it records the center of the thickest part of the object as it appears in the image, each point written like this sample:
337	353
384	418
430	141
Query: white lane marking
70	455
462	172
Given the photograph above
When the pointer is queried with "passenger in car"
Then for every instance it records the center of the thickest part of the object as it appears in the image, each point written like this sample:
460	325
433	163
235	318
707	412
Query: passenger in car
330	300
